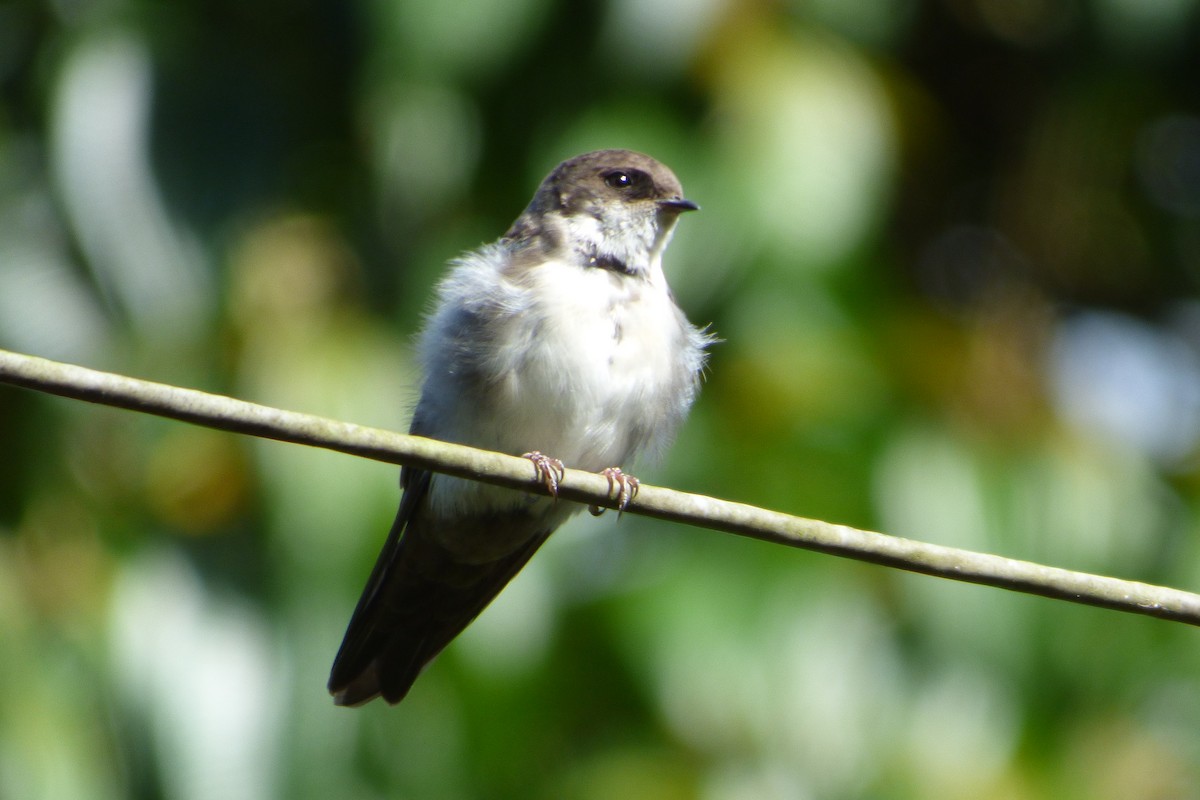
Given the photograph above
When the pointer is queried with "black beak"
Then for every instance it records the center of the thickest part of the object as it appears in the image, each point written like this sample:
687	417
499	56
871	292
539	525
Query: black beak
679	204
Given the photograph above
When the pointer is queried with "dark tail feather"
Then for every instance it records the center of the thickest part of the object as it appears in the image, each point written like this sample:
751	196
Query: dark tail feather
418	598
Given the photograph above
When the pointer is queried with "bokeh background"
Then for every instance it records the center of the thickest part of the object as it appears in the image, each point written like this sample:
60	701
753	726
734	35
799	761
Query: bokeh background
953	250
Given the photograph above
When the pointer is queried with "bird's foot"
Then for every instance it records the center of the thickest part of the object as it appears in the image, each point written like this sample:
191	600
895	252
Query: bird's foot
625	486
549	470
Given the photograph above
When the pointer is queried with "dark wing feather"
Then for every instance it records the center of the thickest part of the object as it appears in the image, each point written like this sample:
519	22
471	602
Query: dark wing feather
419	597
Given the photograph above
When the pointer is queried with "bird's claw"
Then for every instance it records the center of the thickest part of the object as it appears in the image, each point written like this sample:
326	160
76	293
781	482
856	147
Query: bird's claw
625	486
549	470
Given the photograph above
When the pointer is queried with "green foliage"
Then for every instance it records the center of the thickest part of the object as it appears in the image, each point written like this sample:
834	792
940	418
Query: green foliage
950	249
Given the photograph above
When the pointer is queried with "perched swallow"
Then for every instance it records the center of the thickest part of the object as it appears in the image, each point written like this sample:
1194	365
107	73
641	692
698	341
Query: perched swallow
562	338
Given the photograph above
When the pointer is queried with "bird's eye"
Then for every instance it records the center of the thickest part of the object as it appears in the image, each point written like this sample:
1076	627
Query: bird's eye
618	179
630	182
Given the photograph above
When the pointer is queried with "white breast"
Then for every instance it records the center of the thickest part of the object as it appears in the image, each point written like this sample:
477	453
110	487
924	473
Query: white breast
583	364
592	364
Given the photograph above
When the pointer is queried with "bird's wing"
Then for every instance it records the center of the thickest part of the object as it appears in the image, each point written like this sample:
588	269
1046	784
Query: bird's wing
420	596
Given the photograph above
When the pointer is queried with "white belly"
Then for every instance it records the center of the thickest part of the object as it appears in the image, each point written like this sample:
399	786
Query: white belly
585	365
591	368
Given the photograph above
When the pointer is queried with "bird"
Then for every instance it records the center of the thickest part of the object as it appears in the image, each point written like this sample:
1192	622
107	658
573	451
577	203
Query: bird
560	342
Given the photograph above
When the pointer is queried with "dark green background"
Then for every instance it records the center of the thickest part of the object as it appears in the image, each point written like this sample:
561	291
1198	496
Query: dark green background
952	249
